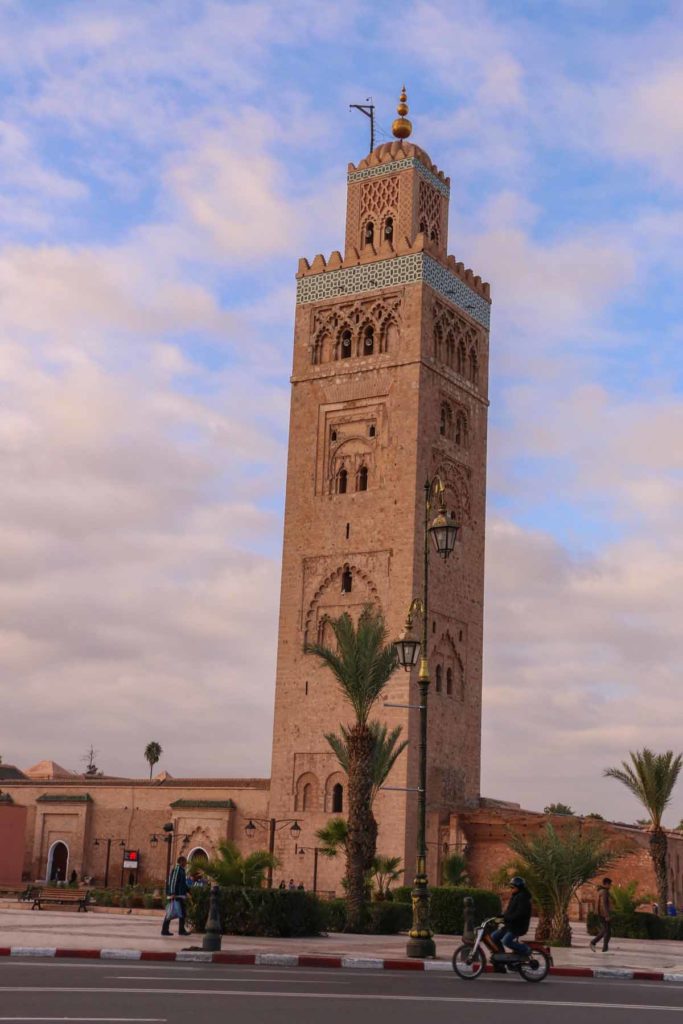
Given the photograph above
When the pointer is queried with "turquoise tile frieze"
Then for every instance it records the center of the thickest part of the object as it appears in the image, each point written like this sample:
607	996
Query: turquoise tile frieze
400	165
399	270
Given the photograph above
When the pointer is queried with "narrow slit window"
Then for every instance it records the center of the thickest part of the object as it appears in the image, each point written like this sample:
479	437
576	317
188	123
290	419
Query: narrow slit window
342	481
372	430
368	341
362	478
439	677
348	530
347	581
346	344
369	235
389	229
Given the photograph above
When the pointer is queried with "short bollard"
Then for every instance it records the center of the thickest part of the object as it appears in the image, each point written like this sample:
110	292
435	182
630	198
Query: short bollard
211	942
468	919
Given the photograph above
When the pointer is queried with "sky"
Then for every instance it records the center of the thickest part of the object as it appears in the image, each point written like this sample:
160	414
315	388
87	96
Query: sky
162	168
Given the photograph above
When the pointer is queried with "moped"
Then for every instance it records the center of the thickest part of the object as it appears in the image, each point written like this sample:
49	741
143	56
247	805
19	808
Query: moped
470	959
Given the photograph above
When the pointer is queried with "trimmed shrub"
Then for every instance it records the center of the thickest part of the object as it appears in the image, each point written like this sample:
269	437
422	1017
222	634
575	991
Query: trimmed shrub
335	915
639	926
386	917
267	912
446	907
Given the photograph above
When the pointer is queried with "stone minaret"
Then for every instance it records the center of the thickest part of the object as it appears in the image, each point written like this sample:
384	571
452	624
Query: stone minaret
389	386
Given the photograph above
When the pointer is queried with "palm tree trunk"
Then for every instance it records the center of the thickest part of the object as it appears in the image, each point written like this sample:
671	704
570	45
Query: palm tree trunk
658	854
543	928
560	930
362	837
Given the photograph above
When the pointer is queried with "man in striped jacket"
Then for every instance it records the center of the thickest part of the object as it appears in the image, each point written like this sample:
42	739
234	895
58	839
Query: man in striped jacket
176	895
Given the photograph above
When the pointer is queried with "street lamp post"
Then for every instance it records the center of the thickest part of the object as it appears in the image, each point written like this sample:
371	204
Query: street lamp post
169	835
443	531
108	841
273	825
315	850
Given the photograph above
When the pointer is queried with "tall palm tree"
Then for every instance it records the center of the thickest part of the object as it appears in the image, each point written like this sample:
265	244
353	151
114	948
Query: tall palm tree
454	870
153	752
554	865
651	778
362	666
231	868
385	751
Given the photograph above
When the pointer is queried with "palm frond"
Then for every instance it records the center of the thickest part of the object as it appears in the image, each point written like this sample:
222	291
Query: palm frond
651	778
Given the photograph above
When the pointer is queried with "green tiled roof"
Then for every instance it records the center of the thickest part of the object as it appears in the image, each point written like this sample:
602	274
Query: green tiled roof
227	804
64	798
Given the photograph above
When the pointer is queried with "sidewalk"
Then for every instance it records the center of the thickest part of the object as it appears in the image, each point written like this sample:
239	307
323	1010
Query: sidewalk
95	931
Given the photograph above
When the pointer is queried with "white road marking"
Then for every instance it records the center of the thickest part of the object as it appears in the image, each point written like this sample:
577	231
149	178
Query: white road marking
250	994
91	1020
254	979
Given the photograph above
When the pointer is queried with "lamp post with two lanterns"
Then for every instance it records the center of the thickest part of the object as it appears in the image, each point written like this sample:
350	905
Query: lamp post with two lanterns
169	836
273	825
443	531
108	841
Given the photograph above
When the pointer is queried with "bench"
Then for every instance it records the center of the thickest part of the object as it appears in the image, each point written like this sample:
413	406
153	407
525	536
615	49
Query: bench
28	894
64	896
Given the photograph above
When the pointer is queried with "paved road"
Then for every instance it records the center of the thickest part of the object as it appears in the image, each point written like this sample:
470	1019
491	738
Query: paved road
138	993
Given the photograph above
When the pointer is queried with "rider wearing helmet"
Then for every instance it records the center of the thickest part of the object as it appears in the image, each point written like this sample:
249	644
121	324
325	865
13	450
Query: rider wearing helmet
516	917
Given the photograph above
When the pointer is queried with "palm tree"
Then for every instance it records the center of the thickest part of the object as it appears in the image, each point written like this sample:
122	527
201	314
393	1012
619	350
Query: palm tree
651	778
386	870
554	865
385	751
454	870
231	868
362	666
333	837
153	752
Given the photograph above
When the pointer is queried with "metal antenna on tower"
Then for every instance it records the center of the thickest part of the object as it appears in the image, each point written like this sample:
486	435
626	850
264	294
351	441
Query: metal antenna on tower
367	108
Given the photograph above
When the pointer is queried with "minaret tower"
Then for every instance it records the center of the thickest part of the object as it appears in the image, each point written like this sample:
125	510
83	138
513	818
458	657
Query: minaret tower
389	387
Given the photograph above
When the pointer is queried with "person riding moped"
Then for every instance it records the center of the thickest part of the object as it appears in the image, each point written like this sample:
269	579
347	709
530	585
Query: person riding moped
516	920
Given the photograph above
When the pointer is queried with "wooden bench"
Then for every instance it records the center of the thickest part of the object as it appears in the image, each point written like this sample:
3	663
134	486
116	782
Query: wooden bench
65	896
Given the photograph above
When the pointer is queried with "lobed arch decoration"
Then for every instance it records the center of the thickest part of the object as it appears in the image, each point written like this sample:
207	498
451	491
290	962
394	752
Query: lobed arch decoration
454	479
332	585
450	671
307	793
342	333
347	458
456	342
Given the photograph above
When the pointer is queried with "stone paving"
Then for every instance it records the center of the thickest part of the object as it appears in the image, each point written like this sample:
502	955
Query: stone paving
68	929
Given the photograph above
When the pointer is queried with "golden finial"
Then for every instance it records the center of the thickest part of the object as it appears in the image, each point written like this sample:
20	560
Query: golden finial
402	127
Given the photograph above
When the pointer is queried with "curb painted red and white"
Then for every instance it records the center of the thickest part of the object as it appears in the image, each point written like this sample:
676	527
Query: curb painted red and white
312	960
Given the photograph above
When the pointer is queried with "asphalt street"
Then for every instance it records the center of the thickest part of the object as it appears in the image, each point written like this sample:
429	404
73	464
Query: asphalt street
139	993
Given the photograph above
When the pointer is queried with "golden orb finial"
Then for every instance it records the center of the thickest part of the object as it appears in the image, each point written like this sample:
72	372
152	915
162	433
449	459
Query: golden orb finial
402	127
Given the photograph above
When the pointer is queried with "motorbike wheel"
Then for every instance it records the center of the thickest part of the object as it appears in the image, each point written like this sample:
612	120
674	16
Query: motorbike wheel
466	965
536	967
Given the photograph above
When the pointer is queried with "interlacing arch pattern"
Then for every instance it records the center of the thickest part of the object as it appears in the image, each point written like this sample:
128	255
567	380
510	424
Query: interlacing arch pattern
378	209
454	424
456	343
363	328
429	212
333	582
449	674
457	491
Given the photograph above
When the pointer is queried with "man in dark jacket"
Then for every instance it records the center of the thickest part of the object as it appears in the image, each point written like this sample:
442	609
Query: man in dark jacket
176	893
605	915
516	916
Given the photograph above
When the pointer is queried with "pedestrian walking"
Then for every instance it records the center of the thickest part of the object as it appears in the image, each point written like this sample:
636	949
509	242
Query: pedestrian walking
605	915
176	895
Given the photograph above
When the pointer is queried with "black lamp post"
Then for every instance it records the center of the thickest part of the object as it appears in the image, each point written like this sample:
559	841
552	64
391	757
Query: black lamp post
315	850
443	531
108	841
169	835
273	825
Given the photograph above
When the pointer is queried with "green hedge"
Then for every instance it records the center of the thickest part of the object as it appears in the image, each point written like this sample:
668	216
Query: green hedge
446	906
640	926
267	912
382	918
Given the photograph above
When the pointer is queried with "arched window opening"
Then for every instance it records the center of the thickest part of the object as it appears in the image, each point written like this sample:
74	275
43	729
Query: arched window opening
346	344
346	580
438	343
389	339
368	341
372	430
461	430
306	797
450	351
369	235
423	227
460	365
337	798
362	479
473	368
439	675
389	229
449	681
333	435
342	481
446	423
